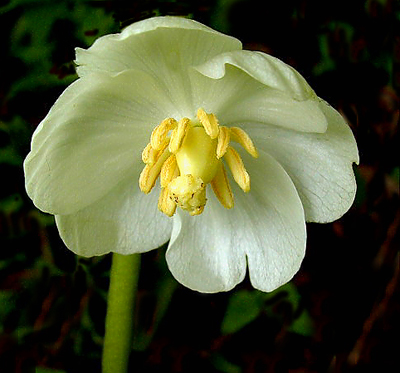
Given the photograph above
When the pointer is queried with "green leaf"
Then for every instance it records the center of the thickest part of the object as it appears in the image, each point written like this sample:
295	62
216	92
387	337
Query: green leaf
11	204
244	306
18	3
48	370
7	301
224	365
63	25
303	325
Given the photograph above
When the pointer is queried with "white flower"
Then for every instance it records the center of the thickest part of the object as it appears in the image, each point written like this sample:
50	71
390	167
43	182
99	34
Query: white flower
86	157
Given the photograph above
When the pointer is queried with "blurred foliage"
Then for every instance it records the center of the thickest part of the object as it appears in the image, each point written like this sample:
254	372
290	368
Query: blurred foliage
340	313
245	306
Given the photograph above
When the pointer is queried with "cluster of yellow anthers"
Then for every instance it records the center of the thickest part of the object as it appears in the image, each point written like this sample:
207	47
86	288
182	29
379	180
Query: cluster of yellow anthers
187	156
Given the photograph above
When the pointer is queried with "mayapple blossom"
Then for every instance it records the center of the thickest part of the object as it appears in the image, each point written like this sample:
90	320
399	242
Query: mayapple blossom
173	132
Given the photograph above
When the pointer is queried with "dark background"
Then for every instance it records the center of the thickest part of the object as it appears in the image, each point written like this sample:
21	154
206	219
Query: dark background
341	311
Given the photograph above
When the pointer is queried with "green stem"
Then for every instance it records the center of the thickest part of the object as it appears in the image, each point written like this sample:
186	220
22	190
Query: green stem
119	320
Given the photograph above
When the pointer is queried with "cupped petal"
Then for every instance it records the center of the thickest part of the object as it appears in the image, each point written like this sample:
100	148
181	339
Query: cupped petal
154	45
237	97
320	165
207	253
271	217
202	253
92	138
266	69
162	47
125	221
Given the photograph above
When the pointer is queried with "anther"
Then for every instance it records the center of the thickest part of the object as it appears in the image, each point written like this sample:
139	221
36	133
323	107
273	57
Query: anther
221	188
159	134
242	138
222	141
209	122
149	175
149	154
165	203
178	135
169	171
237	168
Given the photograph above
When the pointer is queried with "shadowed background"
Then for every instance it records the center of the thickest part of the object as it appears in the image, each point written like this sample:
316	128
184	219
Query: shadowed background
341	311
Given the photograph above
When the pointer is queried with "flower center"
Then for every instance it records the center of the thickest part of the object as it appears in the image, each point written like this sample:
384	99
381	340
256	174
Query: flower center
187	155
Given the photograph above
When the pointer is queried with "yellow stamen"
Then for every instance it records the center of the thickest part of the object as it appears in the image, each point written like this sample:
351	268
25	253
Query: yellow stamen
187	155
237	168
221	188
159	134
242	138
222	141
169	171
209	122
149	175
149	154
165	203
178	135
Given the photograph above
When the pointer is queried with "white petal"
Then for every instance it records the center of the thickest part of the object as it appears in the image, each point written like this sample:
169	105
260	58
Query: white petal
271	218
154	45
320	165
264	68
91	139
207	252
237	98
125	221
162	47
203	254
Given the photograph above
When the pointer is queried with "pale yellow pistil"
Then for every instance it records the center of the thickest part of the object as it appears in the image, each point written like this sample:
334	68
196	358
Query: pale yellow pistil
187	155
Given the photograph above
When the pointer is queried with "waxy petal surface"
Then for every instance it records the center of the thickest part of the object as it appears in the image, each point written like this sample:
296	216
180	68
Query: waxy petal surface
207	253
154	45
162	47
202	253
320	165
125	221
266	69
272	223
91	139
236	98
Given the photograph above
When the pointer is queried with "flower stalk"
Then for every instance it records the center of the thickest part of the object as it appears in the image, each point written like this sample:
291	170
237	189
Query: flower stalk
119	320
